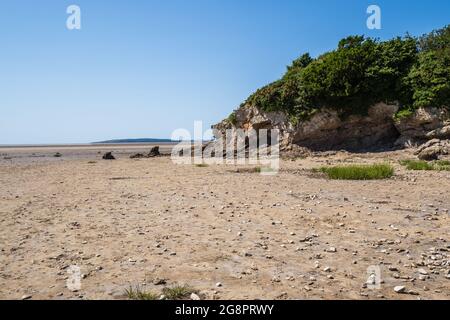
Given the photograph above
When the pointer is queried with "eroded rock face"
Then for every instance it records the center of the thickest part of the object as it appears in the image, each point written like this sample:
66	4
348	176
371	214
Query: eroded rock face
433	149
326	130
423	125
323	131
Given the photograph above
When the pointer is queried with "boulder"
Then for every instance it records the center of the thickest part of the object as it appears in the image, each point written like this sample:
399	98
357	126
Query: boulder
108	156
154	152
422	125
441	133
433	149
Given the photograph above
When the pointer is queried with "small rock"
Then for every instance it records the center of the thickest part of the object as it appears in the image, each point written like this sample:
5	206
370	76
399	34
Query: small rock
195	297
422	271
159	282
26	297
218	284
400	289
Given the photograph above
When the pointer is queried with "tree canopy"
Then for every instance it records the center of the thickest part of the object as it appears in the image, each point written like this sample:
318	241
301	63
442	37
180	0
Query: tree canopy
407	71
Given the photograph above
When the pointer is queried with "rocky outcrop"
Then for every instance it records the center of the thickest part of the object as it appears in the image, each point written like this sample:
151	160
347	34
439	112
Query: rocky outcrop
433	149
154	152
423	125
327	130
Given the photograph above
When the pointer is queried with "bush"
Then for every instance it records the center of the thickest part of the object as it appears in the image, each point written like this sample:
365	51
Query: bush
362	71
359	172
416	165
232	118
439	165
138	294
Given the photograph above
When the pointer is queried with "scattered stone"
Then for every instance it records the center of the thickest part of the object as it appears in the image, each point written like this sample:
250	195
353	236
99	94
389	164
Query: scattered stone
400	289
154	152
422	272
393	269
108	156
218	284
433	149
26	297
137	156
159	281
195	297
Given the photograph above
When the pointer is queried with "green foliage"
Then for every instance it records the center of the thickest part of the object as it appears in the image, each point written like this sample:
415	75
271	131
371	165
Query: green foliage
201	165
177	292
416	165
138	294
232	118
362	71
359	172
404	113
430	80
439	165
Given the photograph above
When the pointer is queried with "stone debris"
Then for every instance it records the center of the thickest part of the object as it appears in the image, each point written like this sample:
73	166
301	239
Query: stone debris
400	289
108	156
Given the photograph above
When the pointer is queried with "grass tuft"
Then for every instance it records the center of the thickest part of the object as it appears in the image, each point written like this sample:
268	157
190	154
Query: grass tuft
138	294
439	165
177	292
416	165
358	172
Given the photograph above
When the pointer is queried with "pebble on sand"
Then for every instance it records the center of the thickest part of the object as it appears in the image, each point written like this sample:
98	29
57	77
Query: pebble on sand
400	289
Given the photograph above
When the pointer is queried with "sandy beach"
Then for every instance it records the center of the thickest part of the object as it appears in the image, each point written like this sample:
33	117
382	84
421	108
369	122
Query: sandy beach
228	233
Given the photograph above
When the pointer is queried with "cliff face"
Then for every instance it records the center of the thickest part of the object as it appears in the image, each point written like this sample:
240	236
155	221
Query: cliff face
326	130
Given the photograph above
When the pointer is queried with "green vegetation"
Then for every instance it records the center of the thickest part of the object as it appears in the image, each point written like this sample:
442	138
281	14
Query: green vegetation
416	165
439	165
201	165
410	72
232	118
358	172
178	292
138	294
443	162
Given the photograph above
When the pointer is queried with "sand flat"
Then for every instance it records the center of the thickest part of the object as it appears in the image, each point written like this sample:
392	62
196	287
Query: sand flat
290	236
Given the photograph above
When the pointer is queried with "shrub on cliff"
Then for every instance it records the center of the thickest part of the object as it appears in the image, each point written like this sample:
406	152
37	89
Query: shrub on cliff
362	71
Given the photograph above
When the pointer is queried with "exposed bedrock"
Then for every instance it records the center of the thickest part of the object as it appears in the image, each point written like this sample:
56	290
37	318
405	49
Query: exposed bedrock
327	130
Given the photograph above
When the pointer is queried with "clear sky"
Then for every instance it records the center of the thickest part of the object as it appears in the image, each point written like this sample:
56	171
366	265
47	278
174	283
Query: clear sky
144	68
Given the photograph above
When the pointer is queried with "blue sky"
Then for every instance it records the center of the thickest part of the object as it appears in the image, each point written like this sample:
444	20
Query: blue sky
145	68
